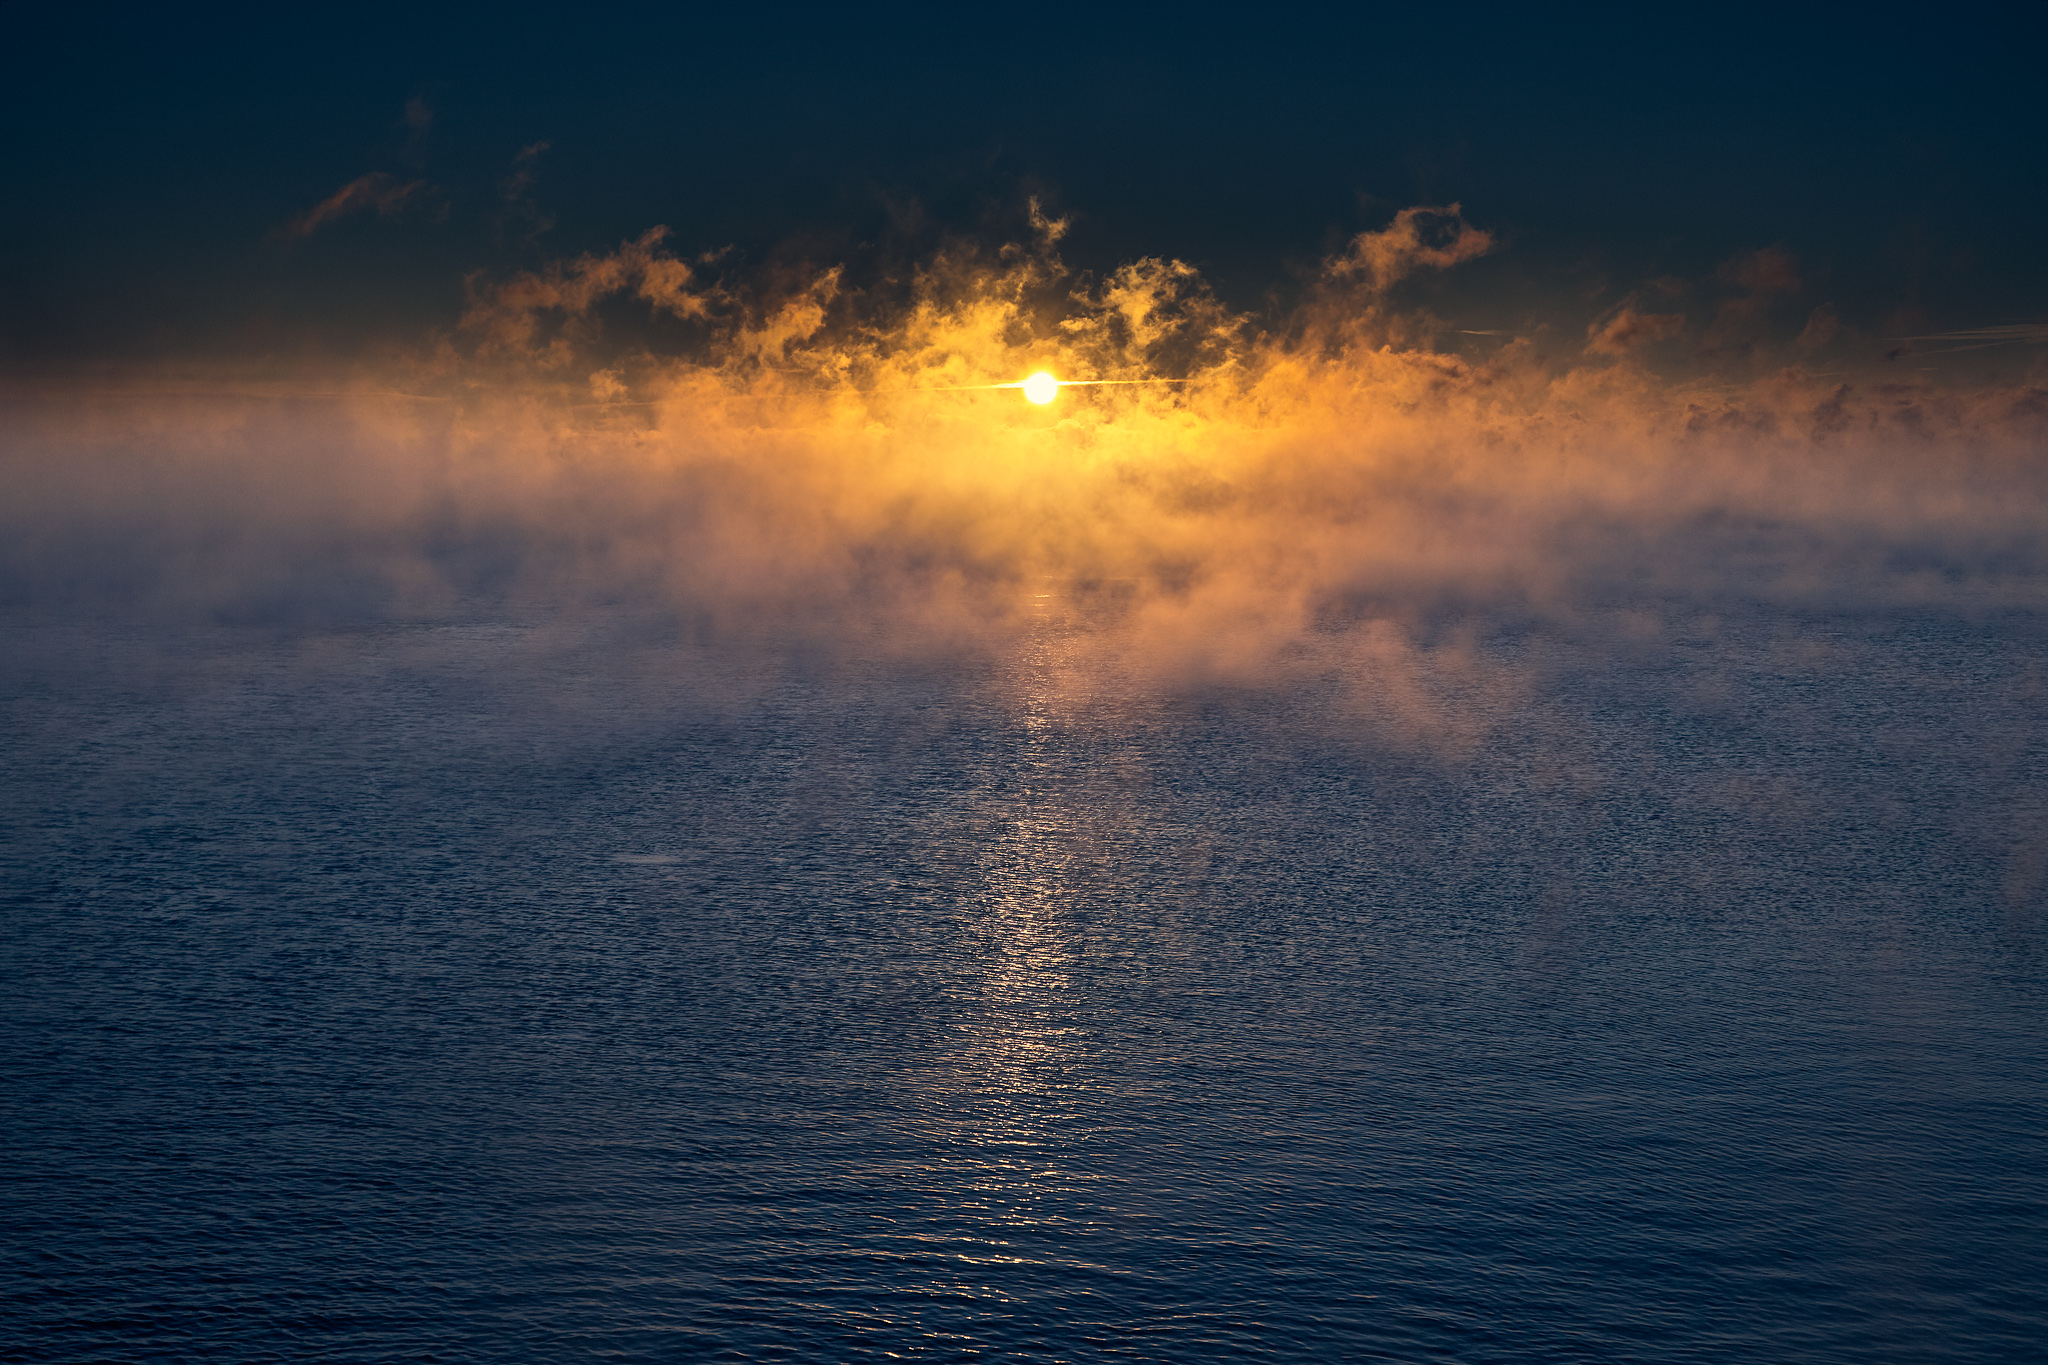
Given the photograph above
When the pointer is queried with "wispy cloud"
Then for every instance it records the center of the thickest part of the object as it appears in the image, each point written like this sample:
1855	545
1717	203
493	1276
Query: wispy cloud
1419	238
1975	338
519	212
378	193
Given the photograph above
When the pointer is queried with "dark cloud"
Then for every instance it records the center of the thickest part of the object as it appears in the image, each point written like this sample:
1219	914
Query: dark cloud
1760	282
1822	325
521	215
1627	328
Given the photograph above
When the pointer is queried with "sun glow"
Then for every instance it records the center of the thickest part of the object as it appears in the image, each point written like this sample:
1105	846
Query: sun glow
1041	388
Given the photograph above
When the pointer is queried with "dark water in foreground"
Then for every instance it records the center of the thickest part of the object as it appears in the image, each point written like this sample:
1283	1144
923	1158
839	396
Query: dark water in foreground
476	994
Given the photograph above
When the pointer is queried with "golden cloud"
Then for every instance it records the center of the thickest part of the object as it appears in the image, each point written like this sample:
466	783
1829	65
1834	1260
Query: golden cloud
813	459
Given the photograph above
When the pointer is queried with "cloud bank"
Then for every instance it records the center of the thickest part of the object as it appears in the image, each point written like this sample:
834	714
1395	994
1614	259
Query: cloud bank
794	457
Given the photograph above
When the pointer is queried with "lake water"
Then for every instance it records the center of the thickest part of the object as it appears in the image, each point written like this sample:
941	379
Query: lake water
500	991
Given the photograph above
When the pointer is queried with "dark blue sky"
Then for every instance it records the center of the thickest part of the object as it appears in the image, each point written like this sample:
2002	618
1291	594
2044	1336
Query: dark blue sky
155	162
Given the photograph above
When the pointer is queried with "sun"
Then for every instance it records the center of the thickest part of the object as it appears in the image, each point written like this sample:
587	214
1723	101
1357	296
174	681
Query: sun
1041	388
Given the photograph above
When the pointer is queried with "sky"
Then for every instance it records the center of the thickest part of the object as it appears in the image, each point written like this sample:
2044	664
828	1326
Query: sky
168	172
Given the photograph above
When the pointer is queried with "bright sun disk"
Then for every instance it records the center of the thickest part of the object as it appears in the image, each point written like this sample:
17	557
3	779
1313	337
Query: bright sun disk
1041	388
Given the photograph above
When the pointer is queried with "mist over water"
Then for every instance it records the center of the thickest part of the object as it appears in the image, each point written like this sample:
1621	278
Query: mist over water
797	454
550	851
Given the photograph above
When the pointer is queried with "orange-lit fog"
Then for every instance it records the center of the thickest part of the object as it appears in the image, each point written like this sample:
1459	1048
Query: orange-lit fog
1332	494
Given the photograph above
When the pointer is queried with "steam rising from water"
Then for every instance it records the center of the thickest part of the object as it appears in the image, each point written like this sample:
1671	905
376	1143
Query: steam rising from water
1325	495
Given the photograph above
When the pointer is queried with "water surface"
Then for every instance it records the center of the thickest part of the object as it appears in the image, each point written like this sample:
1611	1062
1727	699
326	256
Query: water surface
499	991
